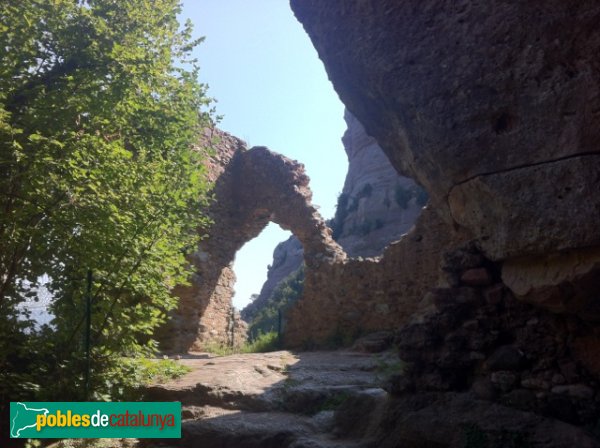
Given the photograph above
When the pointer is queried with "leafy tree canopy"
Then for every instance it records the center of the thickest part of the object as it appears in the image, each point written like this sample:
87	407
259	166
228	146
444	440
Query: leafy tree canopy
99	109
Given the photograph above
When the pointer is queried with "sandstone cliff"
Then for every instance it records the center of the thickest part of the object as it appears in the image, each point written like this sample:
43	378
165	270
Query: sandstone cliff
377	205
493	108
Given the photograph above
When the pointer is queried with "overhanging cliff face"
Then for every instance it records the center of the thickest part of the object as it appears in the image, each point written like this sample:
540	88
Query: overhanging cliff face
494	107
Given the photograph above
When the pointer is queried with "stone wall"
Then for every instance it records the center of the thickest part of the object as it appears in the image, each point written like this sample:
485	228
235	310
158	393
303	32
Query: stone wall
252	188
359	295
376	207
497	351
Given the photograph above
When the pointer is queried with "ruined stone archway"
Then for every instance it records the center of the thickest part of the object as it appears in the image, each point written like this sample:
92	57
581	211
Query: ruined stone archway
252	188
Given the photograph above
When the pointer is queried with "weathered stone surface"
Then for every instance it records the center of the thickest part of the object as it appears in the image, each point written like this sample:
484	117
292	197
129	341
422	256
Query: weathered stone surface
359	295
484	389
374	342
276	399
252	188
476	277
331	400
506	357
376	207
536	209
454	420
469	98
498	348
585	348
564	282
575	390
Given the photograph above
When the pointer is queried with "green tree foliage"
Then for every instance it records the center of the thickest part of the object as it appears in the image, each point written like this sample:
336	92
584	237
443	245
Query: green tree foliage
99	108
283	297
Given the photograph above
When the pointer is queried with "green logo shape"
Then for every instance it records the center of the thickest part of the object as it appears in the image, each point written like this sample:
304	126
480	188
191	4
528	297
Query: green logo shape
81	420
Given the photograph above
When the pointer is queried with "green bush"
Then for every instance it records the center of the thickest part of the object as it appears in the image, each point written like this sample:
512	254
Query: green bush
124	382
263	342
100	112
260	343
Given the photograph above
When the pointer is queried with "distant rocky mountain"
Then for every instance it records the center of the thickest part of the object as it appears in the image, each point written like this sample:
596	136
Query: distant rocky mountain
287	258
376	206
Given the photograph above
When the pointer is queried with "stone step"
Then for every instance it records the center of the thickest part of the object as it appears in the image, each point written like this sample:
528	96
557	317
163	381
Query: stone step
280	399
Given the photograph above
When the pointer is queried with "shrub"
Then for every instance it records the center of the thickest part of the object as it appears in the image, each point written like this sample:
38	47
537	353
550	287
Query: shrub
263	342
100	110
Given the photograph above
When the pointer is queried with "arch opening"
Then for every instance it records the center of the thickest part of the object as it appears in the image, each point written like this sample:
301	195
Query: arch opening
253	188
252	262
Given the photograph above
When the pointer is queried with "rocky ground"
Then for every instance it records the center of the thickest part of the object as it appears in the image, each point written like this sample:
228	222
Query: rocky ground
274	400
336	399
277	399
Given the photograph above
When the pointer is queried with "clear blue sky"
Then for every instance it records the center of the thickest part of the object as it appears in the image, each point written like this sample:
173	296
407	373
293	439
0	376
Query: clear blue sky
273	91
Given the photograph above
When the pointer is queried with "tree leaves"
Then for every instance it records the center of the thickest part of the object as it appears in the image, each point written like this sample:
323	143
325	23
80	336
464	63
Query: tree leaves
99	108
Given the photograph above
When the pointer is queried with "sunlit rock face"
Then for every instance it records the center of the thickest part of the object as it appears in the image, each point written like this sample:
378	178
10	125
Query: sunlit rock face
288	257
252	188
377	205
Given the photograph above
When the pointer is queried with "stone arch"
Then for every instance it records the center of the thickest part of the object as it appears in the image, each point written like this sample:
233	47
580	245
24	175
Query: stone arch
253	187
